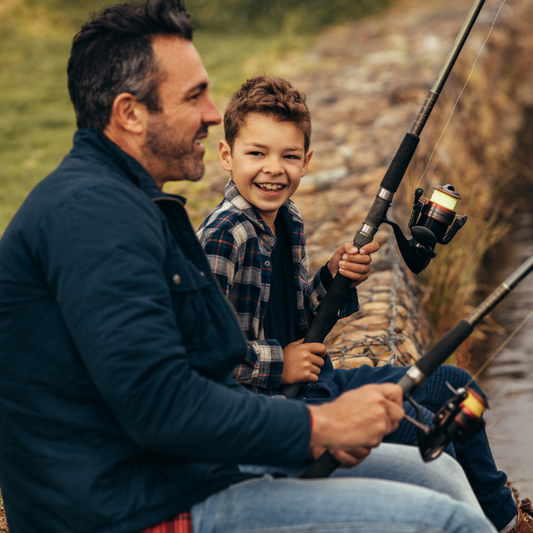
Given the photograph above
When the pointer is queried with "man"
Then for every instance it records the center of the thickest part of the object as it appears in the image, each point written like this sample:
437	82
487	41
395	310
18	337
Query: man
116	412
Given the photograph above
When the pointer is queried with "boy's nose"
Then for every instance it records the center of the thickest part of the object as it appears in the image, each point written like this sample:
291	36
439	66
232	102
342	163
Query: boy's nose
273	167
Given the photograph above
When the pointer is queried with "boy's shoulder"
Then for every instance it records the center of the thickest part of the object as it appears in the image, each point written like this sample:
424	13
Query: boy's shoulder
233	216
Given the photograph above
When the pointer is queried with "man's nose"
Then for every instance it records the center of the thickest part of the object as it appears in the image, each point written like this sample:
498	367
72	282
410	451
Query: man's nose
211	115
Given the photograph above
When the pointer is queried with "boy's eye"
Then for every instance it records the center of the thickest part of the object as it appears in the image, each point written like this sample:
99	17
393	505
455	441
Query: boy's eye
291	156
256	153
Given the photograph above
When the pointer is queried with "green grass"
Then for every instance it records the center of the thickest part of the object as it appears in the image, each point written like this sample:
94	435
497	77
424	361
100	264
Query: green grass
37	122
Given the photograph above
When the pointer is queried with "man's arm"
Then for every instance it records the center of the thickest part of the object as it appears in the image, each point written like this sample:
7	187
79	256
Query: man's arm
116	303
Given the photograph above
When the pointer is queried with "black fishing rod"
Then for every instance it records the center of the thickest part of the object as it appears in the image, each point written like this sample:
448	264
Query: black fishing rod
437	437
430	218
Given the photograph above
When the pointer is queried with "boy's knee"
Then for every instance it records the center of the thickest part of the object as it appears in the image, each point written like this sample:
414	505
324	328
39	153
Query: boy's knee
455	376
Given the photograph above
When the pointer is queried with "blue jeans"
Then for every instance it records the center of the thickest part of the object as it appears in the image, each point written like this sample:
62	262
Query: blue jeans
392	490
475	456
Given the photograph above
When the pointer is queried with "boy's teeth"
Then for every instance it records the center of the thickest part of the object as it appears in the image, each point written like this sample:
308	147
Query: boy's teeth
270	186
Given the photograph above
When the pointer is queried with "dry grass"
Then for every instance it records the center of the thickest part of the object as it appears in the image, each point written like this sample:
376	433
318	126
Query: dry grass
478	155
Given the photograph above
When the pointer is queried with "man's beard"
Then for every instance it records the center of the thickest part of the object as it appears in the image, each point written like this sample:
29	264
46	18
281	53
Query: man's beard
178	158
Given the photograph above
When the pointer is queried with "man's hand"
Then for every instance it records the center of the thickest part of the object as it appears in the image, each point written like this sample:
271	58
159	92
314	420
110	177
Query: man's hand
347	458
302	362
357	418
352	263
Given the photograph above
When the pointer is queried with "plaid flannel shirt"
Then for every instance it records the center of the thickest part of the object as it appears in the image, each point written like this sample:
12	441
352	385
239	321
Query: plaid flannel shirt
238	245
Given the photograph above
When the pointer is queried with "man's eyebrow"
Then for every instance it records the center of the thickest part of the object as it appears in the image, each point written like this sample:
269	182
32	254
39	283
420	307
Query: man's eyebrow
201	86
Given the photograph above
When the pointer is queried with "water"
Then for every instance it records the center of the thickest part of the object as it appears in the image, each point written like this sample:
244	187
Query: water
508	380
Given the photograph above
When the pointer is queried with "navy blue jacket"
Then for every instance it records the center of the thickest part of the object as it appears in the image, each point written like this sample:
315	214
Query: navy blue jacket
115	346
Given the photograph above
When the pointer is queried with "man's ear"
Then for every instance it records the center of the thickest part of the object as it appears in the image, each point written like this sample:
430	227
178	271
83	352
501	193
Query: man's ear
128	114
308	157
224	154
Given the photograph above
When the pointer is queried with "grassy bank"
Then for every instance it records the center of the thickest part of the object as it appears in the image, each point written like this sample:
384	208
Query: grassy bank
481	155
235	38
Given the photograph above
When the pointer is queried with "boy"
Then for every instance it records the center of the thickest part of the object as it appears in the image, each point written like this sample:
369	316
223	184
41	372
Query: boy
255	244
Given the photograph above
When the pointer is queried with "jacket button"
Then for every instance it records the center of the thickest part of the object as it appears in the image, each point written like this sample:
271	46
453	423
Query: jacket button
202	274
267	263
176	278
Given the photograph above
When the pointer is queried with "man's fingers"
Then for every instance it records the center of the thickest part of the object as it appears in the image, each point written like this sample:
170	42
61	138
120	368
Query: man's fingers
392	392
352	457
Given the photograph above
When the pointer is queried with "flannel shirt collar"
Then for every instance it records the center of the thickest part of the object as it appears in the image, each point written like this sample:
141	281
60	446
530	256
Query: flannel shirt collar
233	196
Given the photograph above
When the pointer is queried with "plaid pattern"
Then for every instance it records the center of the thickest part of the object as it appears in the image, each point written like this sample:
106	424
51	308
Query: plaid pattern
181	523
238	245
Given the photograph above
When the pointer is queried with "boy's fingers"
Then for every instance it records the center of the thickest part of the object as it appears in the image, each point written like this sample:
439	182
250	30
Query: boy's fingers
317	361
316	348
369	248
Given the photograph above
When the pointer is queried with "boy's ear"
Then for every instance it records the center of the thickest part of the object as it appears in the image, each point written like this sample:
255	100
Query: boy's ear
308	157
224	154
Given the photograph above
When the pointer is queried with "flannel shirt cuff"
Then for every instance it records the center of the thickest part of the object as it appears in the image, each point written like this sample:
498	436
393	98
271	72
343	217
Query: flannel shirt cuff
262	367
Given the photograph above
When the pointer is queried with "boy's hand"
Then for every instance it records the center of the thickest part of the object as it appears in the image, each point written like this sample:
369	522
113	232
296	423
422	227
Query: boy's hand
302	362
352	263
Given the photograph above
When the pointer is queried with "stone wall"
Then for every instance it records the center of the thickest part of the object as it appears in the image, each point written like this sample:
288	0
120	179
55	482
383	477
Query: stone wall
365	84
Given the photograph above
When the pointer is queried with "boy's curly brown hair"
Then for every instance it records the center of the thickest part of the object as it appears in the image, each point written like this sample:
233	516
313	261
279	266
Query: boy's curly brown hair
268	95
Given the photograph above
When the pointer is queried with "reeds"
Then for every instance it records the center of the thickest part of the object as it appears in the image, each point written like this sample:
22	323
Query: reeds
477	154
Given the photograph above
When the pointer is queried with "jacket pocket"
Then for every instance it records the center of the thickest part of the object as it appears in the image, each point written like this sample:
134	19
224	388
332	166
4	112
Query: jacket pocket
188	287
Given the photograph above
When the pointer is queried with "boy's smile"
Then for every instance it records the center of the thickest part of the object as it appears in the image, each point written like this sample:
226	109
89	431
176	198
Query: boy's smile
266	163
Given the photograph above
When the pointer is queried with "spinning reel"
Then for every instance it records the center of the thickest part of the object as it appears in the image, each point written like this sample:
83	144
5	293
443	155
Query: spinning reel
457	421
429	223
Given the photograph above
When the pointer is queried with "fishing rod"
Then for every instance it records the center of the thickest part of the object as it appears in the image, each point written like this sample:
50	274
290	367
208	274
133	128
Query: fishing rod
460	417
429	220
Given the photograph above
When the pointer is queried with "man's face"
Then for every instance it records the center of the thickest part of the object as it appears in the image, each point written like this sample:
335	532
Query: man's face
267	161
173	149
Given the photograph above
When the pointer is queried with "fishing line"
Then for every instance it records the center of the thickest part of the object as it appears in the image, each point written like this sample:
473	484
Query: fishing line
500	348
461	93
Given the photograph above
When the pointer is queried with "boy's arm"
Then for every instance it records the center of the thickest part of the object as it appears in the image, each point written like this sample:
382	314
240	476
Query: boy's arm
263	364
316	290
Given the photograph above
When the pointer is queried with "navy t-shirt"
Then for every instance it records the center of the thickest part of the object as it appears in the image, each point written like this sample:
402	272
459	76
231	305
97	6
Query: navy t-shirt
280	320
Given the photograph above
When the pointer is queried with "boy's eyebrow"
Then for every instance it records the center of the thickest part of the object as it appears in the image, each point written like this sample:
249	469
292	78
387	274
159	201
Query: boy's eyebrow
259	145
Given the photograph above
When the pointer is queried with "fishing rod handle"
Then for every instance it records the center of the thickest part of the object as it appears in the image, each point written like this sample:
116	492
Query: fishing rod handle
428	363
324	320
323	467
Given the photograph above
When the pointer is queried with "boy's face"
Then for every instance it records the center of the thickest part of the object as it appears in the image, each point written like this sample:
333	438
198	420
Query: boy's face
266	163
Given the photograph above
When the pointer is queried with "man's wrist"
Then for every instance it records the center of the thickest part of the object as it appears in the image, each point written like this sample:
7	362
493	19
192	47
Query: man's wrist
321	425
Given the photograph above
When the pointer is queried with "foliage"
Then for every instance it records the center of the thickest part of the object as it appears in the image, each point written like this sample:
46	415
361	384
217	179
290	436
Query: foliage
301	16
37	121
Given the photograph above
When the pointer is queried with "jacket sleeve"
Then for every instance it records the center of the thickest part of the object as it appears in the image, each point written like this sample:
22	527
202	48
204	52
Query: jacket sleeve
107	276
263	365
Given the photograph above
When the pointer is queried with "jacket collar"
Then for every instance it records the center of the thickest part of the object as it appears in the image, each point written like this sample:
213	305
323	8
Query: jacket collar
89	139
